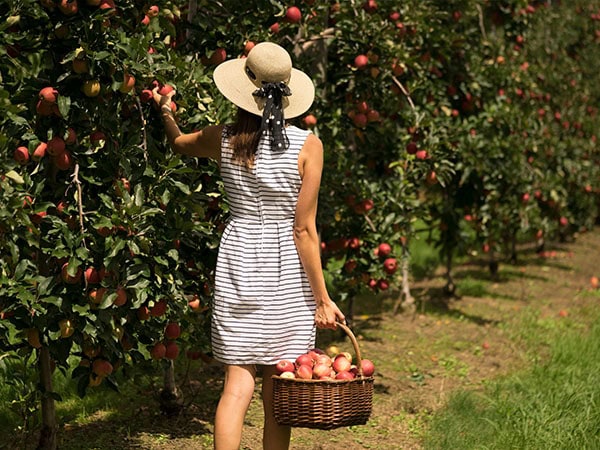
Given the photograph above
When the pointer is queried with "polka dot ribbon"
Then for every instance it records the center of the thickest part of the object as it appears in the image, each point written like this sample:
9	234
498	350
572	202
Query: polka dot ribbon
272	118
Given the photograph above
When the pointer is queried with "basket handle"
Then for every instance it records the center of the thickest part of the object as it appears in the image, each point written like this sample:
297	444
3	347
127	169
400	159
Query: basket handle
350	334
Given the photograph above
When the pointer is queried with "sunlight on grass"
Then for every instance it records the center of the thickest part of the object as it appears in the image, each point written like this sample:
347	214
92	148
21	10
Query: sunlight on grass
555	405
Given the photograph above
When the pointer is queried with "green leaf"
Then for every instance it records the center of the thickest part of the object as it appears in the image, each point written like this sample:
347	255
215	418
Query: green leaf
64	105
14	176
182	187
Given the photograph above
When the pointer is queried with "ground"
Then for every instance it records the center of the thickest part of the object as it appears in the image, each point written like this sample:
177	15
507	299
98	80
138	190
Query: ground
460	343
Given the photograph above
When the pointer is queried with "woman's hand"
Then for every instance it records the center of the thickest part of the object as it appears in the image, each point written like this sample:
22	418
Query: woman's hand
327	314
162	100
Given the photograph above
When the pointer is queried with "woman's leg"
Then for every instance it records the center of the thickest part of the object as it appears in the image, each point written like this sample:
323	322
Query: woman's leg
234	402
275	437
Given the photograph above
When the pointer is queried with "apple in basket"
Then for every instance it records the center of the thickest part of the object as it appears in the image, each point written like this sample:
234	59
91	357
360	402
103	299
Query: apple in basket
304	360
341	363
287	375
315	353
322	371
368	368
344	375
285	365
304	372
323	359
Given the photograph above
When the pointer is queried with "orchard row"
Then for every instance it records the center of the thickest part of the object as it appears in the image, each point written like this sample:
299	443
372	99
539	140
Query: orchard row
467	123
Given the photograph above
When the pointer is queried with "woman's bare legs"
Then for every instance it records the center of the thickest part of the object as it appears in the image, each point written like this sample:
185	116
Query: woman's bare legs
233	405
275	437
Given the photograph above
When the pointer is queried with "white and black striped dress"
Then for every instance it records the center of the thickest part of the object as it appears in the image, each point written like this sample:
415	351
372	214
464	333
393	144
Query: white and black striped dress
263	308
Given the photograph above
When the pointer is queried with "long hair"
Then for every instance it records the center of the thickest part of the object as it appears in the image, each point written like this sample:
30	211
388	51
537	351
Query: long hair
245	134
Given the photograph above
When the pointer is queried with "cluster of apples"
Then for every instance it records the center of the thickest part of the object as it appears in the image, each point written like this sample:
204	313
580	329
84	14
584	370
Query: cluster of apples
317	365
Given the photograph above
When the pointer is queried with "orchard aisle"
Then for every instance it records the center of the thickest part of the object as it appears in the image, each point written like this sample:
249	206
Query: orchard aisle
495	328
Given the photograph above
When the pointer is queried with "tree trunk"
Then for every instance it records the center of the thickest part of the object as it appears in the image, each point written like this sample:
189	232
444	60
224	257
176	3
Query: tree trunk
192	8
406	302
450	287
170	398
49	427
513	247
349	315
493	264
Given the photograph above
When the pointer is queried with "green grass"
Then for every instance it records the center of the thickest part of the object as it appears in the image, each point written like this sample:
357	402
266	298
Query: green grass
19	408
424	257
555	405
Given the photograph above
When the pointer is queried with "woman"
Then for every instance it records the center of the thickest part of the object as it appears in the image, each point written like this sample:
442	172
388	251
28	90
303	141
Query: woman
270	293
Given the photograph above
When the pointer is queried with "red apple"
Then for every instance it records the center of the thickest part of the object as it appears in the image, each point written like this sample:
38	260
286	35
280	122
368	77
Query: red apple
315	353
172	331
360	120
121	298
411	148
361	61
96	137
63	160
341	363
390	265
146	96
153	11
293	15
304	359
324	359
70	279
373	116
368	368
321	370
165	89
310	120
370	6
158	351
21	155
194	303
304	372
274	28
159	308
48	94
55	146
171	350
285	365
248	46
344	375
143	313
39	152
91	275
421	154
71	137
102	367
218	56
68	7
384	249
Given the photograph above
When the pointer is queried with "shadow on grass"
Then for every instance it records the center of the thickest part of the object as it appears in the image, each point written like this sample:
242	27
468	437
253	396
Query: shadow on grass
131	419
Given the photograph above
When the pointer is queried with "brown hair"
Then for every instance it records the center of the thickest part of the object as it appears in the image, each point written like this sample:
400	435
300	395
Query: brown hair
245	134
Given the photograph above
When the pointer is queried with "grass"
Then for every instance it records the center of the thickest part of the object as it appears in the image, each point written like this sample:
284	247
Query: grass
555	405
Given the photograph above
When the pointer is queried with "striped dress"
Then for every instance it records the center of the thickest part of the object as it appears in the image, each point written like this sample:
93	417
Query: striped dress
263	308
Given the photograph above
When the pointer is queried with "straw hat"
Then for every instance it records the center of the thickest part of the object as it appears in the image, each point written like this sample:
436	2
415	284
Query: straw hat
238	79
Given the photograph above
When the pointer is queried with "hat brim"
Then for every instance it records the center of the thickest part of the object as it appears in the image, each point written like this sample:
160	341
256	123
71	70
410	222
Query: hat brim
231	80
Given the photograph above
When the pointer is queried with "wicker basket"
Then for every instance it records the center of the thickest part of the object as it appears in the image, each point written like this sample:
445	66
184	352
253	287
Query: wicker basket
324	404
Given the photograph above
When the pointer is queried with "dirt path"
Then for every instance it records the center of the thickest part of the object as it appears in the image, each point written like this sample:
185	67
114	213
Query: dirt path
420	358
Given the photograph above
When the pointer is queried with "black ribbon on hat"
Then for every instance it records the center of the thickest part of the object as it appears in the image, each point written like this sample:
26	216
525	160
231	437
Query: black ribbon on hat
272	118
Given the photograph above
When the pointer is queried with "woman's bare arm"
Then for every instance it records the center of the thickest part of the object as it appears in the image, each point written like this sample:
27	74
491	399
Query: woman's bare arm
305	231
205	143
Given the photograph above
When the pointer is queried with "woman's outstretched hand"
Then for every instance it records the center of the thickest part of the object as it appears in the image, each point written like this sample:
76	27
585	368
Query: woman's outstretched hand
162	100
328	314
